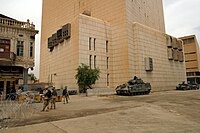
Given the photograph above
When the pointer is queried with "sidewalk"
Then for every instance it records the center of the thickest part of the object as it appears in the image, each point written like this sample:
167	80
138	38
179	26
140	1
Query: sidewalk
164	112
78	105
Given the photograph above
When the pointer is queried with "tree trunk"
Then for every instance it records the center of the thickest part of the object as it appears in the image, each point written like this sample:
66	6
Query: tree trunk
86	93
89	86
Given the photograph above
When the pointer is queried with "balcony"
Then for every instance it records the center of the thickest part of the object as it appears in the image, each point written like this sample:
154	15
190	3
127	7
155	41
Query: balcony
7	56
17	24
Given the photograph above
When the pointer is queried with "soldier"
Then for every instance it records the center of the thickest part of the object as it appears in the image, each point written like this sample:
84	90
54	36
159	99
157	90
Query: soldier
65	95
47	98
53	99
41	95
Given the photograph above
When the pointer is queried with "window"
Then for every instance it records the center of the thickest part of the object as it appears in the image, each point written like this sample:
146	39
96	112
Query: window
32	37
94	43
95	61
190	74
90	61
31	49
90	43
197	73
106	46
107	62
107	79
20	48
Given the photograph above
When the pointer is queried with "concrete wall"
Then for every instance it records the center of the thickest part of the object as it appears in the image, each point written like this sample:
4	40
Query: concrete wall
148	42
110	21
99	31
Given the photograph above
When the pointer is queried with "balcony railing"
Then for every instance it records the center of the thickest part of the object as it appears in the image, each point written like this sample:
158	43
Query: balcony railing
8	55
15	23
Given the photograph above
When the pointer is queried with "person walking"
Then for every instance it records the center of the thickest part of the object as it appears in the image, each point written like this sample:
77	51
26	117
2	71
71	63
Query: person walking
65	95
47	98
41	94
53	98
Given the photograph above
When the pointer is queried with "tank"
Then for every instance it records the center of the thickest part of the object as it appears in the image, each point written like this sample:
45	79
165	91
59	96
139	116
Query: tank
135	86
188	86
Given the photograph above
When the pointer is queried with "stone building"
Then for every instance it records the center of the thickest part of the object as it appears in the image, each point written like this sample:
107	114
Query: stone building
124	38
192	58
17	48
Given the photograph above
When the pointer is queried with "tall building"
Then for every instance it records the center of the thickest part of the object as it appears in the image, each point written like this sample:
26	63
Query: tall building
124	38
192	58
17	47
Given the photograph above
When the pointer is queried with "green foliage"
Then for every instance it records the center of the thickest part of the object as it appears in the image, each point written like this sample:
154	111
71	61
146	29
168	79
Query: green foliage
86	77
32	76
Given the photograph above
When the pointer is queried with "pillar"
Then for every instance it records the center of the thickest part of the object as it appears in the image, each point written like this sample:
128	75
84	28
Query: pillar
25	78
4	89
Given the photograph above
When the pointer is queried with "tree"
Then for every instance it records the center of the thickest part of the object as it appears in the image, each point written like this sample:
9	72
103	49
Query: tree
33	77
86	76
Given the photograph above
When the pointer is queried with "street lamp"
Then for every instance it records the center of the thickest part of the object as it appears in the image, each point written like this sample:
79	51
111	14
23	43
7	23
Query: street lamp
52	76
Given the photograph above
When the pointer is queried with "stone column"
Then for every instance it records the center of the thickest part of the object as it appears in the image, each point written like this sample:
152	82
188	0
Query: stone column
4	89
25	78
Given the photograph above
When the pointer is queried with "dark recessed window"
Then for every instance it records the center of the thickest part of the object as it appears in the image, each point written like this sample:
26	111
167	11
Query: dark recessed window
31	49
32	37
90	43
94	43
107	79
107	62
95	61
106	46
90	61
20	48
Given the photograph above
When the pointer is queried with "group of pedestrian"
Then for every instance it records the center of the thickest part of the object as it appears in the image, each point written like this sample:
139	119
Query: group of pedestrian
49	98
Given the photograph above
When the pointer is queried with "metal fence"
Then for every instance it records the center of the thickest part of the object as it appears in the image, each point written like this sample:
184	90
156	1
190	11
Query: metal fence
11	111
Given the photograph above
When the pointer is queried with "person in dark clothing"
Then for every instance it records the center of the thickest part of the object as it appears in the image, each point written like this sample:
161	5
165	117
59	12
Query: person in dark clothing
65	95
53	98
41	95
47	98
13	95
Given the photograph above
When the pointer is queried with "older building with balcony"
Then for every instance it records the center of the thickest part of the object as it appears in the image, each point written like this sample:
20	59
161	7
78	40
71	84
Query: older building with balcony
17	47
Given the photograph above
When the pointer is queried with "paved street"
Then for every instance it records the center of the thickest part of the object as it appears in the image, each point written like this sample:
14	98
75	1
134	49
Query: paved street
166	112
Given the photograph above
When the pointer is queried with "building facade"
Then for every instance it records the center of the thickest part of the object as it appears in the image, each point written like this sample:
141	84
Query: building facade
123	38
192	58
17	48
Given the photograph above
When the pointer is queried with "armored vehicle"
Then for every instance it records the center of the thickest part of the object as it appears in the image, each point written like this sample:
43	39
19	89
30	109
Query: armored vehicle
135	86
188	86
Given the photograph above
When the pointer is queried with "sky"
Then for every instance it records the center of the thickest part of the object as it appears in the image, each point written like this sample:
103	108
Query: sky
181	18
